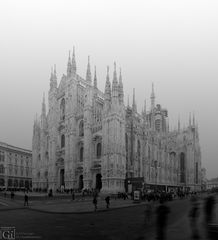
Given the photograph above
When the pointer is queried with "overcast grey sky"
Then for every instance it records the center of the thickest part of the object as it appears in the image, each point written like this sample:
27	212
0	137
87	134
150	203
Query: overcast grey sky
171	43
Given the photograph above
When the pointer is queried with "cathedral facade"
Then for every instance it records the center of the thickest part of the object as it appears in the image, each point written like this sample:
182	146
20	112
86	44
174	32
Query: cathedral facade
89	139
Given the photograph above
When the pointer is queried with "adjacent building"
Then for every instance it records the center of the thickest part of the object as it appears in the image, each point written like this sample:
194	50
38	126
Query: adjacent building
212	184
15	167
90	139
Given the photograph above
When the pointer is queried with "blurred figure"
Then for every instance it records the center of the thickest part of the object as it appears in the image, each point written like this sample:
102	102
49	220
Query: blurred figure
26	198
12	195
95	202
162	212
194	215
73	195
50	194
148	212
107	200
209	212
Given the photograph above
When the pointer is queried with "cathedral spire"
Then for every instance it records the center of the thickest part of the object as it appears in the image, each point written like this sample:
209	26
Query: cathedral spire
115	83
73	61
145	106
190	120
69	66
152	98
51	78
88	72
43	114
95	79
121	95
144	111
193	120
107	87
179	124
134	108
43	106
55	76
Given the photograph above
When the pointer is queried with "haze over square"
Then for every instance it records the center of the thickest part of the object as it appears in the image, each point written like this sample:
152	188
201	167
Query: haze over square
176	49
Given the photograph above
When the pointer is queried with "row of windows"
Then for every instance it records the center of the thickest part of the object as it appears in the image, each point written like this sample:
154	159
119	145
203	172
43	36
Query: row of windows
22	162
16	170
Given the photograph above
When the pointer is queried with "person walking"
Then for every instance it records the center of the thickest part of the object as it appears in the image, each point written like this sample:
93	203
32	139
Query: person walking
162	212
148	212
107	200
73	195
209	212
12	195
95	202
194	215
26	203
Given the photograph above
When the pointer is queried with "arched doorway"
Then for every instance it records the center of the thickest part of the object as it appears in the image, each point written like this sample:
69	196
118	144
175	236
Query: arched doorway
62	177
98	185
80	182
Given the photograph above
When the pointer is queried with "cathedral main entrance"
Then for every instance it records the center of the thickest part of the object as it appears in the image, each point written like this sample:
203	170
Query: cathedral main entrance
80	182
61	177
98	185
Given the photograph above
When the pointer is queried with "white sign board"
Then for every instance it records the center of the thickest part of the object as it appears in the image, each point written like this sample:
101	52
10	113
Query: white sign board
136	196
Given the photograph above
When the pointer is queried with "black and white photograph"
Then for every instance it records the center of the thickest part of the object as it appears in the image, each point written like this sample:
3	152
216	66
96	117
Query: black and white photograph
109	119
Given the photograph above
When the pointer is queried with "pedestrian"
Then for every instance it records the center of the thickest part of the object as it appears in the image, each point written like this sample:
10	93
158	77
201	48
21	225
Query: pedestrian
12	195
148	212
194	215
50	193
95	202
26	203
209	212
107	200
162	212
73	195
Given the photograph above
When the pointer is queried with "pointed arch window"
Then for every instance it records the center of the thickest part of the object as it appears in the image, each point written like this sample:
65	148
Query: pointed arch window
62	109
81	128
62	141
138	149
81	154
98	150
149	153
126	142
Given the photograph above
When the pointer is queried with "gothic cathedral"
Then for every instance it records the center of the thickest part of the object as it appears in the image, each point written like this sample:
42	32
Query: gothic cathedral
90	140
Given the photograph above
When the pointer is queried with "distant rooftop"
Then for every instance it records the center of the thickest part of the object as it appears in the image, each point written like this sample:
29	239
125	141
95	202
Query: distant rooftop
11	147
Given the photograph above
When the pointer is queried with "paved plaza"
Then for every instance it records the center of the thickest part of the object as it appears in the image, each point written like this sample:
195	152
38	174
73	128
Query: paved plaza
66	219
